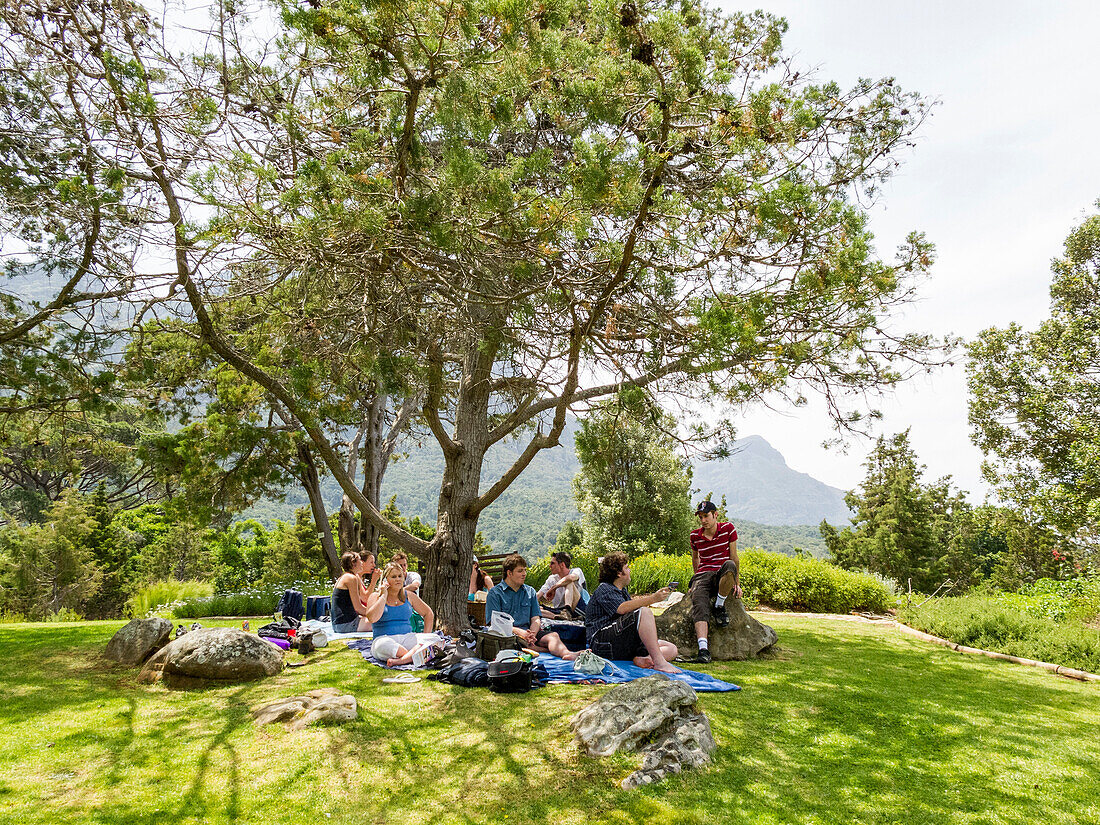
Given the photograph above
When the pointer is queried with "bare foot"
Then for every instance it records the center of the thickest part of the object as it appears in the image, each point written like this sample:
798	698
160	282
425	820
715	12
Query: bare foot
643	661
667	668
569	657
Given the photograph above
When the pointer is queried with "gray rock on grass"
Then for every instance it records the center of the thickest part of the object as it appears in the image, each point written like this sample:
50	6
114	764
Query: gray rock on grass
656	715
743	638
326	705
221	654
139	639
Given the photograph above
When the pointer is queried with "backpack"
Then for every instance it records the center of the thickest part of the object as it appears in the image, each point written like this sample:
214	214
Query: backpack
511	676
470	672
291	604
278	630
488	644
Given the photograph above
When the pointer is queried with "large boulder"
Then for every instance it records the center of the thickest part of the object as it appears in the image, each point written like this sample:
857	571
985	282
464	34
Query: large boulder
656	715
743	638
222	654
326	705
134	643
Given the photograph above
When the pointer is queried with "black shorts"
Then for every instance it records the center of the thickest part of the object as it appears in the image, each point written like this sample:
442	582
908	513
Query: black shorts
619	640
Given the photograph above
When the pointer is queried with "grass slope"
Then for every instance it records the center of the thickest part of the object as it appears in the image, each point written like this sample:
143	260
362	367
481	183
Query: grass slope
847	723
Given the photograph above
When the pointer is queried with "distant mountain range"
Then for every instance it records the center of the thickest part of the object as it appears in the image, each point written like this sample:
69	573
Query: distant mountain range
773	506
758	485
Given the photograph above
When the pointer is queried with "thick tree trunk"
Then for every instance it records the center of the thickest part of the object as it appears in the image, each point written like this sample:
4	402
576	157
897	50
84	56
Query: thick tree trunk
312	483
447	565
449	557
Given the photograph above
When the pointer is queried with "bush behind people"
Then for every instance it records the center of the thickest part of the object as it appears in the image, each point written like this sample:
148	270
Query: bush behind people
773	579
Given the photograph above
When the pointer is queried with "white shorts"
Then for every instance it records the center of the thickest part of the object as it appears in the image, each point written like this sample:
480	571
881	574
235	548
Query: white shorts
386	647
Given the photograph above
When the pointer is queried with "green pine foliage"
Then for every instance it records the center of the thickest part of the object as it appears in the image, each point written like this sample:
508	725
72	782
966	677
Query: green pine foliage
902	527
633	488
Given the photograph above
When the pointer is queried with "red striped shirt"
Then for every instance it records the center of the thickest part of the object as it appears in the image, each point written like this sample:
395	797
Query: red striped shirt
713	551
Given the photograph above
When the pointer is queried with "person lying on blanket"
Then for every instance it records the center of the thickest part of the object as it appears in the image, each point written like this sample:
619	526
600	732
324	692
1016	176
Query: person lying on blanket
620	627
350	599
519	600
394	641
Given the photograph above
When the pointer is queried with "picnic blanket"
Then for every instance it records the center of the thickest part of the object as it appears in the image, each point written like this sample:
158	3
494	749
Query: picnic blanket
364	648
562	671
317	624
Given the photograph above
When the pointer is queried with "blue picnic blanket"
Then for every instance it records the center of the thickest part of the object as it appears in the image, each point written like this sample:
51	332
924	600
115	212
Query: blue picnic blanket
560	670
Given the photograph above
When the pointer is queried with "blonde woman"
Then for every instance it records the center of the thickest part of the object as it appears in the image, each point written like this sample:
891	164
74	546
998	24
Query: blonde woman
394	641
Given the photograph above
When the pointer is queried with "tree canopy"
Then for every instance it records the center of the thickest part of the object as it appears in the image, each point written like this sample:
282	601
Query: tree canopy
1034	397
503	211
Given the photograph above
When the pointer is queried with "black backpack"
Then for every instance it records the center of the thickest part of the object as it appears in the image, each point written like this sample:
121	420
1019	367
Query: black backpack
511	676
291	604
470	672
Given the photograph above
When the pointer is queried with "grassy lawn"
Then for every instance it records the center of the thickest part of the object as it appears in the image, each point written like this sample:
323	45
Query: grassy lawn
847	723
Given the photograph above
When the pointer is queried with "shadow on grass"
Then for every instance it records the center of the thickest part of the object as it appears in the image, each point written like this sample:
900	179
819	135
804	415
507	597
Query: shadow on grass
843	724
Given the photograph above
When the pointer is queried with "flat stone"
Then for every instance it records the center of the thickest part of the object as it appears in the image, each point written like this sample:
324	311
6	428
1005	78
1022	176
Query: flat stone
743	638
135	642
628	715
326	705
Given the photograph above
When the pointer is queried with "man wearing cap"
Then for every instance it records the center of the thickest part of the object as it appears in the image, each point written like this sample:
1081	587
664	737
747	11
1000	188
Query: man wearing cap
717	573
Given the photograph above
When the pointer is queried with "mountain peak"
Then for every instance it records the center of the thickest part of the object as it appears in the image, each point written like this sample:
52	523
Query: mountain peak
760	486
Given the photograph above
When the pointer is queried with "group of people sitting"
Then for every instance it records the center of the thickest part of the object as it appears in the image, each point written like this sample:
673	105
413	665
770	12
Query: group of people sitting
618	626
366	598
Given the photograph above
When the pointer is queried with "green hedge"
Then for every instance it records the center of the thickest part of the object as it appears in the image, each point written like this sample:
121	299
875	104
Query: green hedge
773	579
987	621
258	601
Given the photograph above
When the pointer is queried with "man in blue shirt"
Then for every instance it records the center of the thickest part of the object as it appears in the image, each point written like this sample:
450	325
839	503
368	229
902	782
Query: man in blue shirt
519	600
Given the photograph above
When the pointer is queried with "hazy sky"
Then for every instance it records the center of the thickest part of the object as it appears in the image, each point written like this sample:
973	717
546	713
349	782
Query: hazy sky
1006	166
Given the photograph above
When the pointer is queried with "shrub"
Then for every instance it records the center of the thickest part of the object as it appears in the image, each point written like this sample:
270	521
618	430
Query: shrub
1073	600
153	597
63	615
256	601
774	579
11	617
990	622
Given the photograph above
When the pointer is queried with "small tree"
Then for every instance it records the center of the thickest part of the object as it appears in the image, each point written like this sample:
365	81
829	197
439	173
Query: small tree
632	486
50	566
901	528
1034	398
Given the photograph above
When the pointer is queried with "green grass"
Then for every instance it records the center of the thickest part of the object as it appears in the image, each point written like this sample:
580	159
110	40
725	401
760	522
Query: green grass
847	723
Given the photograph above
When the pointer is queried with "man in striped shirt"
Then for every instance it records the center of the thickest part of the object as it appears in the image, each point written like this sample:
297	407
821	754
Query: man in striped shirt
717	573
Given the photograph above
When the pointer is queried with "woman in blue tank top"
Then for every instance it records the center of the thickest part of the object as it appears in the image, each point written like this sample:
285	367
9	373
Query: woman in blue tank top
394	640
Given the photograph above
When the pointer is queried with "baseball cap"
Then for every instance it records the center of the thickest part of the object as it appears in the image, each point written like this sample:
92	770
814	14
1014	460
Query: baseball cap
705	507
